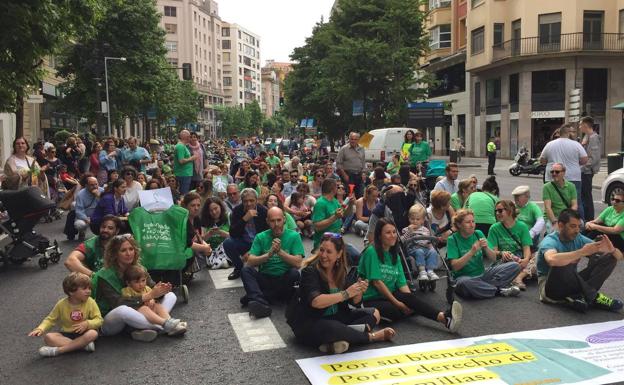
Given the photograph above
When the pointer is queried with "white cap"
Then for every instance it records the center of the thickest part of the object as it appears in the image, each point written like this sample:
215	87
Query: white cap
520	190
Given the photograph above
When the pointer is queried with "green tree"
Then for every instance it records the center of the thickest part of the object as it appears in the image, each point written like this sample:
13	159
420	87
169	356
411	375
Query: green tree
255	116
234	120
30	31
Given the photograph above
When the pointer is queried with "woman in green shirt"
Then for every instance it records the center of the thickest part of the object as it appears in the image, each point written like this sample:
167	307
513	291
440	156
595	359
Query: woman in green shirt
408	139
482	204
388	291
252	181
419	152
215	221
610	222
394	165
465	188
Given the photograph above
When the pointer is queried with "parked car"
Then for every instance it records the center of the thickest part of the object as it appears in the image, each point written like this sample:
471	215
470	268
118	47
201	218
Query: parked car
384	143
614	183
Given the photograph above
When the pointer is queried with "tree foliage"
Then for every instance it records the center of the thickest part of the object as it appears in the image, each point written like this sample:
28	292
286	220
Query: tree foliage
368	51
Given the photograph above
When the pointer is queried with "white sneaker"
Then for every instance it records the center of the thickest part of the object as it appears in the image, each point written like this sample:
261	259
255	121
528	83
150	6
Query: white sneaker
146	335
337	347
511	291
422	276
454	317
432	275
178	330
90	347
48	351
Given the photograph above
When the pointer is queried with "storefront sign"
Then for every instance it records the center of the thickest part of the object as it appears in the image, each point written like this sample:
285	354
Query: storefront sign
547	114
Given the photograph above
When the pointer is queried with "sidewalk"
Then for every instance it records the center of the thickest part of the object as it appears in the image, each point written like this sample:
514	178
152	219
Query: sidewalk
502	165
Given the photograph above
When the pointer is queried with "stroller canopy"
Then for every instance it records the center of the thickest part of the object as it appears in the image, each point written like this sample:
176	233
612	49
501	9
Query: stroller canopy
28	202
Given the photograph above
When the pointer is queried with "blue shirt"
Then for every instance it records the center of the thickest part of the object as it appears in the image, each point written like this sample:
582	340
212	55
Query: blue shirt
106	162
86	203
134	157
553	242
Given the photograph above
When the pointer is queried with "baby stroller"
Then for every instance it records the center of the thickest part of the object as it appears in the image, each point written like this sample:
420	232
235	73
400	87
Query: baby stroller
25	208
435	169
161	235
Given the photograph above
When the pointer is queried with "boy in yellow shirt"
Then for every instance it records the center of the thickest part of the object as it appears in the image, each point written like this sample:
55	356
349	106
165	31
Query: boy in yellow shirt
77	315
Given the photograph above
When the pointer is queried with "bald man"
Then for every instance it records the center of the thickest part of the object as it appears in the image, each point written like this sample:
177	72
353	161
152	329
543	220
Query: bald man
183	162
272	265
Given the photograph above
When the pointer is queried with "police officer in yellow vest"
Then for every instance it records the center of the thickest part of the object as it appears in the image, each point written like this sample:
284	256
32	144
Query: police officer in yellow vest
491	154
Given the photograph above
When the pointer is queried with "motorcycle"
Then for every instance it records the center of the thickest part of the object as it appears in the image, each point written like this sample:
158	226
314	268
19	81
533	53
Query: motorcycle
525	165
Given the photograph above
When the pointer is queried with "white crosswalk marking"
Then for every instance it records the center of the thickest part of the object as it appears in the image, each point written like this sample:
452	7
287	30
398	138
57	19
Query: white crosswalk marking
220	279
255	334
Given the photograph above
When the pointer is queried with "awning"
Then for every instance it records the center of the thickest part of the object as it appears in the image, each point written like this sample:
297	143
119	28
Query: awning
619	106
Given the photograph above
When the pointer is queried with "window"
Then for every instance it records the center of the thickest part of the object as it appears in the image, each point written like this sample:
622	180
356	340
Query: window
549	32
226	57
621	30
477	99
227	44
170	11
477	41
227	82
514	92
499	35
172	62
172	46
548	91
475	3
225	32
440	36
433	4
171	28
493	96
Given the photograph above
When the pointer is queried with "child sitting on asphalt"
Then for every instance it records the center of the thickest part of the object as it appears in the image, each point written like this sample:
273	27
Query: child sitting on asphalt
422	255
135	277
77	315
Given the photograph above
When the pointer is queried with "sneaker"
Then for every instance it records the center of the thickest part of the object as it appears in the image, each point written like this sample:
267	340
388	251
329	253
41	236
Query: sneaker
577	303
422	276
432	275
146	335
511	291
90	347
258	309
178	330
337	347
454	317
605	302
48	351
170	324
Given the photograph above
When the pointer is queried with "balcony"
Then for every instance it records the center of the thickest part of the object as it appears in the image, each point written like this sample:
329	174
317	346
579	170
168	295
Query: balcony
564	43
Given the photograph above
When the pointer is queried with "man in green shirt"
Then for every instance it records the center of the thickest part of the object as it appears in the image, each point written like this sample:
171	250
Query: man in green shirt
327	213
88	257
272	265
273	160
529	213
558	194
183	162
491	154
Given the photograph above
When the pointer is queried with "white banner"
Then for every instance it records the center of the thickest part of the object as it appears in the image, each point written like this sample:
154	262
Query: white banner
581	354
155	200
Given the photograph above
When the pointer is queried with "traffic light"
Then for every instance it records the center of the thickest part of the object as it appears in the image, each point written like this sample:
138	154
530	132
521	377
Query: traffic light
281	101
187	74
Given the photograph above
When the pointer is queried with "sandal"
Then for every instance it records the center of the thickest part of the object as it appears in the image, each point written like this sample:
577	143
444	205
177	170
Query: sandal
385	334
521	285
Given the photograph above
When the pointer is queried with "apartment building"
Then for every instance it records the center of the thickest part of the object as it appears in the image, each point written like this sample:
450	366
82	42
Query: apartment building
241	65
536	64
270	92
446	61
193	38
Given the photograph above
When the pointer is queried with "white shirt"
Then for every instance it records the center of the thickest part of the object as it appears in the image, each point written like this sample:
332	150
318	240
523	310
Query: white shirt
567	152
131	197
446	185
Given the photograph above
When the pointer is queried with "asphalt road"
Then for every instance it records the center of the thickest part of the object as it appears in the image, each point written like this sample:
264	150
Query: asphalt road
210	353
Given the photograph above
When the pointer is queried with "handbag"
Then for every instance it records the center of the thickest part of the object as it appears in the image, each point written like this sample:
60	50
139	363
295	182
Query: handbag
66	202
218	257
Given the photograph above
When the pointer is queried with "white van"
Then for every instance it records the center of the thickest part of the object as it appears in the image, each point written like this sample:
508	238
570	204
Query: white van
385	143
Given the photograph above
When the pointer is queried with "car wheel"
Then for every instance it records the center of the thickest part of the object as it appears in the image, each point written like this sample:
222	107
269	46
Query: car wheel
616	187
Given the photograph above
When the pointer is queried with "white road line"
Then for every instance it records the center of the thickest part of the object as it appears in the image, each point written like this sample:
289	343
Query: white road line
255	334
221	281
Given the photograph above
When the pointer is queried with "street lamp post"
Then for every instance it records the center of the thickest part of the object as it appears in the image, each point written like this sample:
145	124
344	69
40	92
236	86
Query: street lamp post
108	110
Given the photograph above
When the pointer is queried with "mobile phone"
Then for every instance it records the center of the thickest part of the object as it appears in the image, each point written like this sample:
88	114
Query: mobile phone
598	238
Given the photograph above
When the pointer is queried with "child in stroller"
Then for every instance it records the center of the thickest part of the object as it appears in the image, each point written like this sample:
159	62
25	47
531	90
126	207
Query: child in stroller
421	254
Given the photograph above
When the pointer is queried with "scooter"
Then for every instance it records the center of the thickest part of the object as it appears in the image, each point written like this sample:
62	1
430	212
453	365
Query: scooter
525	165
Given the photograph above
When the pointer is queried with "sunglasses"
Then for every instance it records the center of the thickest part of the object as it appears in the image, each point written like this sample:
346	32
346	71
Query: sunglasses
123	236
341	188
499	211
332	235
616	201
555	172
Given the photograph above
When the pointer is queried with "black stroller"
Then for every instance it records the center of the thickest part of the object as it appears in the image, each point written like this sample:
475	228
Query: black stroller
25	208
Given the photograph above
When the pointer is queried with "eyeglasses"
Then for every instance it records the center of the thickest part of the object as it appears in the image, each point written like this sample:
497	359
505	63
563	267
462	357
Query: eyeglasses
556	172
616	201
332	235
341	188
499	211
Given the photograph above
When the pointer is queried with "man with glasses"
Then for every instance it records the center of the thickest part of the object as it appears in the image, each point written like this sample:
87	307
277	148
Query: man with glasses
558	194
350	163
88	257
557	266
272	265
86	201
567	151
233	197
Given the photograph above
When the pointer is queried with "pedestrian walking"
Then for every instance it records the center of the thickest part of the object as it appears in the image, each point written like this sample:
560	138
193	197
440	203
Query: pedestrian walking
491	154
592	144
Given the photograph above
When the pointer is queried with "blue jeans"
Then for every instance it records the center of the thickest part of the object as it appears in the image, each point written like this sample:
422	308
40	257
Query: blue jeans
184	184
235	248
579	203
425	257
260	287
488	284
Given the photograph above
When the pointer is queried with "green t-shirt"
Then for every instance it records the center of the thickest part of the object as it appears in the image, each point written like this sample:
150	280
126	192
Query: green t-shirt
324	209
272	160
456	201
483	205
215	240
612	218
241	187
93	252
393	168
275	265
290	222
458	246
499	237
371	268
419	152
550	193
529	214
179	169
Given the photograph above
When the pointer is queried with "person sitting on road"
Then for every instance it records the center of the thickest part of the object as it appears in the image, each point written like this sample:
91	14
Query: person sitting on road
119	312
273	200
482	204
449	183
327	214
87	201
272	265
78	317
388	291
511	237
557	266
136	278
529	213
320	315
558	195
289	184
233	197
363	209
465	250
421	254
302	214
88	257
464	189
247	220
113	203
133	186
610	222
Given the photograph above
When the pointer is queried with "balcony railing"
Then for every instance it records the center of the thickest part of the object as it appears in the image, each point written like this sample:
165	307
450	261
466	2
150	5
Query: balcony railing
567	42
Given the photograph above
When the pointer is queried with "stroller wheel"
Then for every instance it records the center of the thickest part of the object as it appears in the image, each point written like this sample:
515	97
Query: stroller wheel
185	293
43	263
422	285
432	285
55	257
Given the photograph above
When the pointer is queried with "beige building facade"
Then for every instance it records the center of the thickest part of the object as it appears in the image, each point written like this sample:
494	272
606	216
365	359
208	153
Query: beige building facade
270	92
536	64
241	65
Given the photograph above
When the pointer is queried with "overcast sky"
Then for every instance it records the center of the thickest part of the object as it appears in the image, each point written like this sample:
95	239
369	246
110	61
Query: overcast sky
281	24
